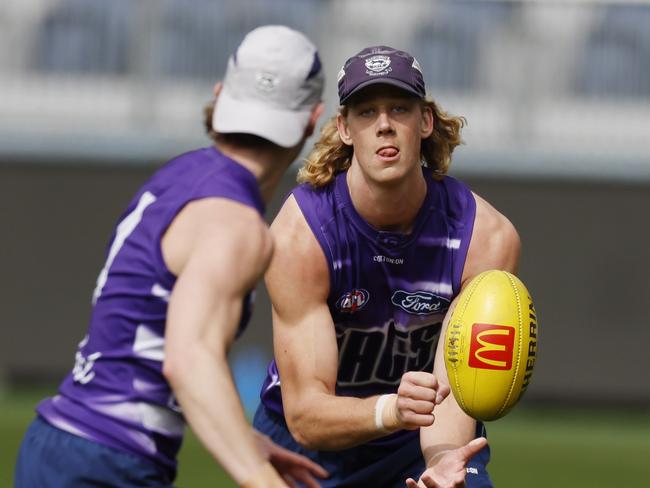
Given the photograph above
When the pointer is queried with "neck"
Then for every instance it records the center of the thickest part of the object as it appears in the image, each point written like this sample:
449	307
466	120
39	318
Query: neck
267	165
388	206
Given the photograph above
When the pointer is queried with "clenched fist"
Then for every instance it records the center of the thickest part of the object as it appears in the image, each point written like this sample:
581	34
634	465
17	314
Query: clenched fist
412	407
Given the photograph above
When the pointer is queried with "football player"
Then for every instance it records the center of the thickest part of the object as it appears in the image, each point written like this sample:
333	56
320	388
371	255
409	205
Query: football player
175	292
371	250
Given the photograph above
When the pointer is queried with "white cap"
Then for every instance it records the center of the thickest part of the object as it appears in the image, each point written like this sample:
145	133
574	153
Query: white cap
273	81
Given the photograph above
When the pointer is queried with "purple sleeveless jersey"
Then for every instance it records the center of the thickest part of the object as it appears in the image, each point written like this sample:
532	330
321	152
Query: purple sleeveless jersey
116	394
389	292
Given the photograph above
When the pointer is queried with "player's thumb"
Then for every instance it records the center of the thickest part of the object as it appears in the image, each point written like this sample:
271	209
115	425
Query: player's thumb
471	448
442	392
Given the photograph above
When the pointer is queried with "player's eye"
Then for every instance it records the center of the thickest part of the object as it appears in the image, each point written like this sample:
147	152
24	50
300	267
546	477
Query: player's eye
367	112
400	109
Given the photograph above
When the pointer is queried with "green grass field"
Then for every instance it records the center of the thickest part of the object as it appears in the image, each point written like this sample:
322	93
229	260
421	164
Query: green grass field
531	447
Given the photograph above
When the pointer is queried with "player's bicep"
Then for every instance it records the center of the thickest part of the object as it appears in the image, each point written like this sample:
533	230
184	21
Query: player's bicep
298	282
495	243
306	353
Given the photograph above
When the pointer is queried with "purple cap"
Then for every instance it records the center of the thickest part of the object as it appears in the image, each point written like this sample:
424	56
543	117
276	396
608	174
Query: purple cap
380	64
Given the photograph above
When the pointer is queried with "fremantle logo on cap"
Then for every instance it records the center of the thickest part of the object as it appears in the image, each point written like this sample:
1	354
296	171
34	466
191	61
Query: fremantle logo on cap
378	65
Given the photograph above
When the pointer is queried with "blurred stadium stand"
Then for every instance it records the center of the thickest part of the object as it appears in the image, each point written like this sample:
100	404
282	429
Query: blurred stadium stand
79	37
95	93
450	42
616	60
126	79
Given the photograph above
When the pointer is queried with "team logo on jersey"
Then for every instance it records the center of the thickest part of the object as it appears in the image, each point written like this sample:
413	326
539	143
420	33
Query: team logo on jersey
378	65
419	302
491	346
353	301
369	355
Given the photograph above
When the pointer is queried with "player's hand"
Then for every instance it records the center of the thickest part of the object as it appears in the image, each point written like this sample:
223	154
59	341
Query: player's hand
417	395
449	470
294	468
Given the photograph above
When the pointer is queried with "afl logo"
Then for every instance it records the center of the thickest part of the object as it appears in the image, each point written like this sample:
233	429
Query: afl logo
377	63
353	301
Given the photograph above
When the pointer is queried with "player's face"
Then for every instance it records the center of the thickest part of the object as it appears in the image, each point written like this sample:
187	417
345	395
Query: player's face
385	125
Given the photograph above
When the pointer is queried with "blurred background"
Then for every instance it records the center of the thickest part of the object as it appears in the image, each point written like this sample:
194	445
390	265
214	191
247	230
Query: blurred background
96	94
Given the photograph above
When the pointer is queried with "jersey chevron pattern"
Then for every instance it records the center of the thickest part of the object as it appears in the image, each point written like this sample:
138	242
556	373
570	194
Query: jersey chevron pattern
116	393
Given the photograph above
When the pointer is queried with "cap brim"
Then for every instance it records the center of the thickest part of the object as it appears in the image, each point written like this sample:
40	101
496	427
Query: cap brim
282	127
382	80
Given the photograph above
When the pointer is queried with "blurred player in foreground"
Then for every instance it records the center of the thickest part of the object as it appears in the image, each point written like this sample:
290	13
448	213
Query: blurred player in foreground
371	250
175	291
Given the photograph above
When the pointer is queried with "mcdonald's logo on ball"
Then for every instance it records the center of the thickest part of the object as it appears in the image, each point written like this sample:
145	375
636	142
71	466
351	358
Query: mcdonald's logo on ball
491	346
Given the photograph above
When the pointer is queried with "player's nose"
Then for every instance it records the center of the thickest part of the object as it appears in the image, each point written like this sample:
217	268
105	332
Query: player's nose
384	124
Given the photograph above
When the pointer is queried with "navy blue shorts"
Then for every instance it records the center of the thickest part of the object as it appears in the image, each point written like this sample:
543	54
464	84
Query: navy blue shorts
365	466
52	458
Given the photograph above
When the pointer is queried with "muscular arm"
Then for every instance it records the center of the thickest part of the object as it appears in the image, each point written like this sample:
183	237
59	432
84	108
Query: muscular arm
218	249
495	244
305	345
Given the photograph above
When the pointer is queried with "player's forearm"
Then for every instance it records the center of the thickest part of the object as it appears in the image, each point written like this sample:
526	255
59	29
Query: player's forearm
452	428
207	395
329	422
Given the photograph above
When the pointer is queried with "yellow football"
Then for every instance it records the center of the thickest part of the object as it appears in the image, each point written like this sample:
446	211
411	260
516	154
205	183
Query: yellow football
491	344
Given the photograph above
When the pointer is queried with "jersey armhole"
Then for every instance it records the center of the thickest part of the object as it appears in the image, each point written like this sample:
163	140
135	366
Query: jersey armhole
465	231
310	214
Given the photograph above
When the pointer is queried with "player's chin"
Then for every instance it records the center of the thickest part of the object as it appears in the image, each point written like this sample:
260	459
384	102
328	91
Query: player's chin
388	174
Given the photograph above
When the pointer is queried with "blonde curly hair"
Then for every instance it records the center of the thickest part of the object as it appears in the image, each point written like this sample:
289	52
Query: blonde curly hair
331	156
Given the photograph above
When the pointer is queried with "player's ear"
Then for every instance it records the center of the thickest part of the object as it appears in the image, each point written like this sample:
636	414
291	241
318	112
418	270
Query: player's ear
217	89
427	122
344	130
316	112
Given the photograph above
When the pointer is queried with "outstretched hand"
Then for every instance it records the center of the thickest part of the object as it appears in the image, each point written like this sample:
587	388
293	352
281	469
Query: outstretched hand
294	468
449	471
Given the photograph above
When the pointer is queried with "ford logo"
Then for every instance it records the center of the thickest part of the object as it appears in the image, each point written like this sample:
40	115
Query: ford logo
420	302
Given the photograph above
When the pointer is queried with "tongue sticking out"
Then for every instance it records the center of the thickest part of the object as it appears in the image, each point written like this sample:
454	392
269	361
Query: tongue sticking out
387	152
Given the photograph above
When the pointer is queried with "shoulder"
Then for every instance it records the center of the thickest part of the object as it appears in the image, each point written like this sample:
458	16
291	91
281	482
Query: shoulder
495	243
231	223
291	230
298	259
214	230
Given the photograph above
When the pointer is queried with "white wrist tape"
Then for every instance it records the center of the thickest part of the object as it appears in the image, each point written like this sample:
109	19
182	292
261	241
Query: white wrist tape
379	412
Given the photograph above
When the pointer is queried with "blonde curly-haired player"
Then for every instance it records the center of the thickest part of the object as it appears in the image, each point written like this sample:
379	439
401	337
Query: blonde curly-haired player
371	250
